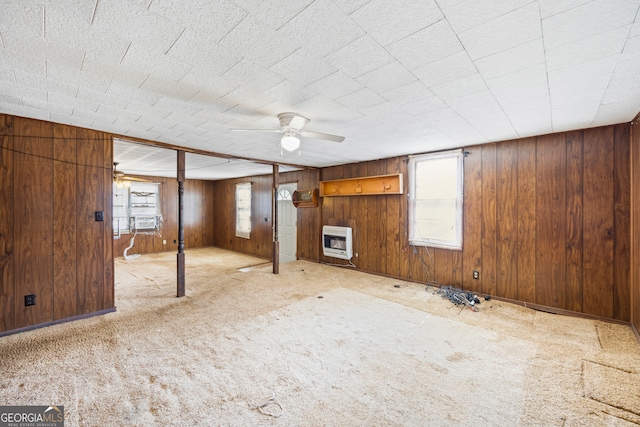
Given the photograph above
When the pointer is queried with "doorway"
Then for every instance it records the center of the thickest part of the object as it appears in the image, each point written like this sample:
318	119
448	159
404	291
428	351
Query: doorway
287	223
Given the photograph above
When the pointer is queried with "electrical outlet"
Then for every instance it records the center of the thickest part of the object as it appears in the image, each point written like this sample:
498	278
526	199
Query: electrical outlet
29	300
476	274
356	254
164	242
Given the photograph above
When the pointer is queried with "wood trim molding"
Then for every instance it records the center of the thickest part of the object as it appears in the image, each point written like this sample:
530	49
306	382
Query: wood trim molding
57	322
204	152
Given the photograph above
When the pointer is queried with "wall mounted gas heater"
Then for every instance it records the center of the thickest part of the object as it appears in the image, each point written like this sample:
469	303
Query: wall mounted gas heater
337	242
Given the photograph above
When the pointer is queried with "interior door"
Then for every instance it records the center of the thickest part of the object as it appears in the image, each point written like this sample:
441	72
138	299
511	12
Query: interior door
287	223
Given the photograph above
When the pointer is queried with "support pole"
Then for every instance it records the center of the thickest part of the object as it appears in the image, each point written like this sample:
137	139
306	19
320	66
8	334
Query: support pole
181	179
274	214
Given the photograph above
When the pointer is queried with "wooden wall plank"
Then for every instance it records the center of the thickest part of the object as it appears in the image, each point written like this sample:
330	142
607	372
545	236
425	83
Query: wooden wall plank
527	224
393	225
622	223
64	222
90	247
635	224
574	209
507	216
598	222
472	223
489	254
33	232
443	266
550	221
7	257
377	217
108	283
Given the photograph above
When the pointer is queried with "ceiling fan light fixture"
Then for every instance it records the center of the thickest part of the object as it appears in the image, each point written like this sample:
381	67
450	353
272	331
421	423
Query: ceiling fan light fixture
290	142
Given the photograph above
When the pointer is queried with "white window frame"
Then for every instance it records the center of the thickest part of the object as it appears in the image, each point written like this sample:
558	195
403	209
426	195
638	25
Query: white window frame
416	235
243	210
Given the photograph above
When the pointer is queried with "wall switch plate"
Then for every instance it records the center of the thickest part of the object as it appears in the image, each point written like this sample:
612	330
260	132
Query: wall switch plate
29	300
99	215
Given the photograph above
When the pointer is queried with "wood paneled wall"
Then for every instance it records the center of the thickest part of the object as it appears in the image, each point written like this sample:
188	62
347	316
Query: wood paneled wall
260	243
635	225
54	178
546	221
198	202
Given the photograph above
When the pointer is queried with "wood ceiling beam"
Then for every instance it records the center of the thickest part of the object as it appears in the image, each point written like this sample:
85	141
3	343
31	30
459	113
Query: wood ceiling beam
204	152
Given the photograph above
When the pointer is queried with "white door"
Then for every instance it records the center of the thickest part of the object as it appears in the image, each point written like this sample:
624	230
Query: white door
287	227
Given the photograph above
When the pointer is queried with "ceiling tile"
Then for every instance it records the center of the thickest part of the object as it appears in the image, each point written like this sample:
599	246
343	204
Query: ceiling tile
322	28
573	81
303	68
520	86
466	14
387	77
508	61
274	13
505	32
364	98
617	112
529	122
463	86
202	52
74	77
18	61
430	44
19	91
335	85
387	22
553	7
408	93
153	31
290	93
494	126
165	67
255	40
596	17
587	49
213	18
451	68
359	57
35	82
350	6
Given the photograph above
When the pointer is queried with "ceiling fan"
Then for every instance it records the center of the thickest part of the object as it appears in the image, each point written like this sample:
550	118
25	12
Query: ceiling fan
122	180
291	125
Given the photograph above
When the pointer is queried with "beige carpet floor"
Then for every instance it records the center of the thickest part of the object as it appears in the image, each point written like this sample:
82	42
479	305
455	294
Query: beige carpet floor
320	346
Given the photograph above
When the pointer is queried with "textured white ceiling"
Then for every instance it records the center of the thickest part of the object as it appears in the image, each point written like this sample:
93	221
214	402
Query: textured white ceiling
393	77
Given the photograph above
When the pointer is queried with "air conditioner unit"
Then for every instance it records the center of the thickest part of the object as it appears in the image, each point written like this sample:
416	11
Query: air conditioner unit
337	242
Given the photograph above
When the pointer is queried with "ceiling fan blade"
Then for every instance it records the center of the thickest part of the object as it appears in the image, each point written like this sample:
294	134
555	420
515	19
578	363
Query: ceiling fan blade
132	178
257	130
319	135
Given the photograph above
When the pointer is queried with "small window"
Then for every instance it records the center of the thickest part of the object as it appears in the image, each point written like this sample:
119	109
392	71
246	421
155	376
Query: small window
435	200
243	210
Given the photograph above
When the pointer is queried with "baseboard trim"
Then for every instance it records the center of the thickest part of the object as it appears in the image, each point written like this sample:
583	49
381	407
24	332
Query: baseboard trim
57	322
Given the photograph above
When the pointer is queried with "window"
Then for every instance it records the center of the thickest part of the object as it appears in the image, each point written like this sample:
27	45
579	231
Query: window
435	200
243	210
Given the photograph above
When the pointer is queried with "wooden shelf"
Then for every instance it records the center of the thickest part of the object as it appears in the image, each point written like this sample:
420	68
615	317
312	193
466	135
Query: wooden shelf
364	186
